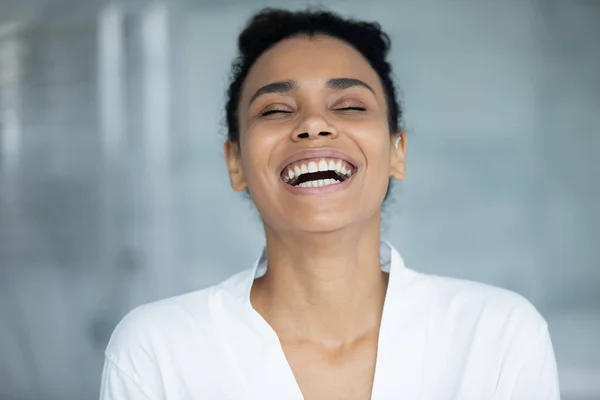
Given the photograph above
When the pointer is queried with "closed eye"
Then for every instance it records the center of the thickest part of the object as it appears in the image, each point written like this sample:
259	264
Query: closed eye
271	112
355	108
277	111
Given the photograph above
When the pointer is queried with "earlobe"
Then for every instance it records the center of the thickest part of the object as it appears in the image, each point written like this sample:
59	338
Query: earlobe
397	159
234	166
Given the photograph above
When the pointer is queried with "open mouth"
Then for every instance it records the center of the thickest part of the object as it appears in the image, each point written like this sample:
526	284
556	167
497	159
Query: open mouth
317	172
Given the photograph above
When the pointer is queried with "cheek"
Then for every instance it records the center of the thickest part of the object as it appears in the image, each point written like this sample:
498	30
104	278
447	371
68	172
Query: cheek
257	144
374	141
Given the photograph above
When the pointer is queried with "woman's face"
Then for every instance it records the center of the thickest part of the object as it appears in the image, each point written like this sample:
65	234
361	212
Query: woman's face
315	149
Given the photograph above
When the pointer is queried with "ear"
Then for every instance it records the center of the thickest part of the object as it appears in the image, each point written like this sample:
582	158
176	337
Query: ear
397	159
234	166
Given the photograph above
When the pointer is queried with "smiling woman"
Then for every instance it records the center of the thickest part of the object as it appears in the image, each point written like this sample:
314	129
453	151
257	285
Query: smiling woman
329	310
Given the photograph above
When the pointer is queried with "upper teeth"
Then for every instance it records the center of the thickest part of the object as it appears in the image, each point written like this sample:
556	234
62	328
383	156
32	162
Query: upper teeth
296	169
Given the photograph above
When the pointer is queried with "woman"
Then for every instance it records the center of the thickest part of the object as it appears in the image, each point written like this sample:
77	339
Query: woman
329	311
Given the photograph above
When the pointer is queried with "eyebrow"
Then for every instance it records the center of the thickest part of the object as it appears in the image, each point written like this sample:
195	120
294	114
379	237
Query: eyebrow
288	86
347	83
275	87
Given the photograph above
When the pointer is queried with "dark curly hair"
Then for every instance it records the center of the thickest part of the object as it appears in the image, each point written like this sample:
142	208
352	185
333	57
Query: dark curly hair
270	26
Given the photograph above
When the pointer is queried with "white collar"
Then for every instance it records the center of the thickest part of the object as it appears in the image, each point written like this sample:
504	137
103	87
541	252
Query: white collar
390	259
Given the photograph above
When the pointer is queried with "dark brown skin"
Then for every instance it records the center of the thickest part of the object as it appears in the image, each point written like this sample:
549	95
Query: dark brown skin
324	290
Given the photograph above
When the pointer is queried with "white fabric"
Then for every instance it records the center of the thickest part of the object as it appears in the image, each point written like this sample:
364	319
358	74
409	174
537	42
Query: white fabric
440	339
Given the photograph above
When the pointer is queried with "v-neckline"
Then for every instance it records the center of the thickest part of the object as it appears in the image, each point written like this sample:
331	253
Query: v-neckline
274	378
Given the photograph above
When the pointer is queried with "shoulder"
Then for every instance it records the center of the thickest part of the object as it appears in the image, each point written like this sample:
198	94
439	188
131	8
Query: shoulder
482	306
154	328
494	334
141	334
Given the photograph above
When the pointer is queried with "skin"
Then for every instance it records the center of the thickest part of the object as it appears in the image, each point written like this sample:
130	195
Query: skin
324	290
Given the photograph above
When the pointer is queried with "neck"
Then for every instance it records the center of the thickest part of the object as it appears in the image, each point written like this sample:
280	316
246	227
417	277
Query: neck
323	287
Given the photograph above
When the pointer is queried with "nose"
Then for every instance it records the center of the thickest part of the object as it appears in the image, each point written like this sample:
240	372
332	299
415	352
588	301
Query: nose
314	127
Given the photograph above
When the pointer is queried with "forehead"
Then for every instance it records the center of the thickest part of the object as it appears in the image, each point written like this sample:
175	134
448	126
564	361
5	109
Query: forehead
311	60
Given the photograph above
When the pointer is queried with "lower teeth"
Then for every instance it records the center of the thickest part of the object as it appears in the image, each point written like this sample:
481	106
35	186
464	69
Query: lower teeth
318	183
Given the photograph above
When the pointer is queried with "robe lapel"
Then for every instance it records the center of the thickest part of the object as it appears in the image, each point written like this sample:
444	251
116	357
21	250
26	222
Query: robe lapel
402	337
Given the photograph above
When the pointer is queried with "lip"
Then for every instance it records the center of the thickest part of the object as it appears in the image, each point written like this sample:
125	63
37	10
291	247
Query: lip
317	153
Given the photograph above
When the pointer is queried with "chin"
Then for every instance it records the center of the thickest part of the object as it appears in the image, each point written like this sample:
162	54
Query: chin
323	223
321	227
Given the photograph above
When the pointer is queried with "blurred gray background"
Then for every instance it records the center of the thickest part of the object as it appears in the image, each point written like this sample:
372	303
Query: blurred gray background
113	189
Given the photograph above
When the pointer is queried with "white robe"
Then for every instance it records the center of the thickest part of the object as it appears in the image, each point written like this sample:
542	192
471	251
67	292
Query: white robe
440	339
